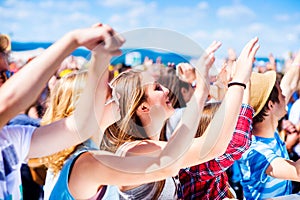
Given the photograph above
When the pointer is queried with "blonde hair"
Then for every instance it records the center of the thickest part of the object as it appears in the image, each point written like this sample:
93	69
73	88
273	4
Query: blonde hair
63	99
128	86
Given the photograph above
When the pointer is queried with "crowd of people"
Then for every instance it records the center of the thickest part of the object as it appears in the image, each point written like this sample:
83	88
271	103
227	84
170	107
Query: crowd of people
89	130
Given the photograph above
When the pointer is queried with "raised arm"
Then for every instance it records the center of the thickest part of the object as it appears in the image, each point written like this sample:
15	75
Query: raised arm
84	123
34	76
217	136
239	143
166	158
154	158
291	79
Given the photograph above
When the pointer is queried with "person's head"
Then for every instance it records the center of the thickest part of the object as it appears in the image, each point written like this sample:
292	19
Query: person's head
142	100
4	64
180	91
5	46
208	113
266	96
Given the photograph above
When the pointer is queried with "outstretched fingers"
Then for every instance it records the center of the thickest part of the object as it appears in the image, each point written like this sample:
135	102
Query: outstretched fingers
213	47
245	60
208	58
249	46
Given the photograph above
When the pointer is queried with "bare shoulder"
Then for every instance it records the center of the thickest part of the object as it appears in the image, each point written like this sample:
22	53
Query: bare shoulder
85	178
144	147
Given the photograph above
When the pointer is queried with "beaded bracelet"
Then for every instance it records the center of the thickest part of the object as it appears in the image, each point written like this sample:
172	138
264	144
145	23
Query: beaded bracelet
237	83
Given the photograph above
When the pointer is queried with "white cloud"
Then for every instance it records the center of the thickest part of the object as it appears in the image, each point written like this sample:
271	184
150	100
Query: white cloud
47	4
255	27
30	20
134	17
115	19
282	17
64	5
141	14
292	37
120	3
297	27
203	5
199	35
223	34
235	12
12	14
10	2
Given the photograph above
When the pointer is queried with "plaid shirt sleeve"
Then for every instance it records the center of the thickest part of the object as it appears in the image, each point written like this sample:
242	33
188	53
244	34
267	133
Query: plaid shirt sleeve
239	143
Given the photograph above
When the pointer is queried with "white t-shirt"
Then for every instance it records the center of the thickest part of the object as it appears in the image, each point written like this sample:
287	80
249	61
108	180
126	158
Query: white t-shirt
50	183
147	190
294	115
173	121
14	147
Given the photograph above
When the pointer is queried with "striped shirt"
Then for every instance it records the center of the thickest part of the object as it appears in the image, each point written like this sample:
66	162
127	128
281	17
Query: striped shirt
253	164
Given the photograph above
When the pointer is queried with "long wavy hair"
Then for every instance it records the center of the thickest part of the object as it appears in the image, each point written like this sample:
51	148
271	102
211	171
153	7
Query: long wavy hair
62	102
128	86
131	94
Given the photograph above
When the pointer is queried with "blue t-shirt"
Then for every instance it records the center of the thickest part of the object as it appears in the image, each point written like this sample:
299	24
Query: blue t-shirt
253	164
23	119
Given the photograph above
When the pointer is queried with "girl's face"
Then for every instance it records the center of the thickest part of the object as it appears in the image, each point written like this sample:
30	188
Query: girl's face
157	95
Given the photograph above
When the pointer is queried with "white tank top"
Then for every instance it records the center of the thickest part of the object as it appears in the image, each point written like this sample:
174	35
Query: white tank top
146	191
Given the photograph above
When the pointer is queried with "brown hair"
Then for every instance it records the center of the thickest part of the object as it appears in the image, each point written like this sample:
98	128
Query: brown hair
128	85
208	113
174	84
129	128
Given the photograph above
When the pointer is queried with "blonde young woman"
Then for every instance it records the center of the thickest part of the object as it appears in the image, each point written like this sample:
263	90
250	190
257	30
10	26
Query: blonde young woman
62	104
137	124
85	174
62	101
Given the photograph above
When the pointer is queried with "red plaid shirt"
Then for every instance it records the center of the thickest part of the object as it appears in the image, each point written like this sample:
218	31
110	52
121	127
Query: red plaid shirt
209	180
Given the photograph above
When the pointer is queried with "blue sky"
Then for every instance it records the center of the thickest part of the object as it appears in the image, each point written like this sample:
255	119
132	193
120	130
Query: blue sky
233	22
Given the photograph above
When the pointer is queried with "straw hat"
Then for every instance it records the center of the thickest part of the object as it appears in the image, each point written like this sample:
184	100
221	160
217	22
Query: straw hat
5	44
261	87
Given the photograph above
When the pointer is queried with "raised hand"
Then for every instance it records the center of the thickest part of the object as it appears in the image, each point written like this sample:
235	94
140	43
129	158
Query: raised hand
243	68
186	72
205	63
99	34
288	126
208	58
